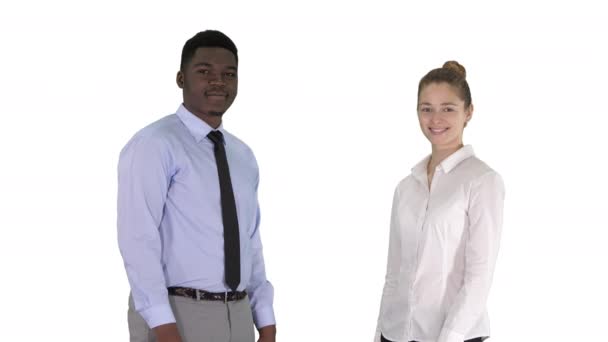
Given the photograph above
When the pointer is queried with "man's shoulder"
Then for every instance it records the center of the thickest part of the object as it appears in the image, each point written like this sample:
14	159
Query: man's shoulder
156	134
163	128
238	144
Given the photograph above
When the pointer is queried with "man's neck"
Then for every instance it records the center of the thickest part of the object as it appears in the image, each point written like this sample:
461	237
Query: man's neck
212	120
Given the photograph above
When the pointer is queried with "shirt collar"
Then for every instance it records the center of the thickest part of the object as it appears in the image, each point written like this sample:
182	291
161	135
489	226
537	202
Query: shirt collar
197	127
447	165
419	170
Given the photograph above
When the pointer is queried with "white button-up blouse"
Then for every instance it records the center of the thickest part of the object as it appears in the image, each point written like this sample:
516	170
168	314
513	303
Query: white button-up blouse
442	251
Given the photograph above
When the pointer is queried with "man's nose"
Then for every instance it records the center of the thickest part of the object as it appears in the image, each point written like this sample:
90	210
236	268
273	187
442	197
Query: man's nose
217	79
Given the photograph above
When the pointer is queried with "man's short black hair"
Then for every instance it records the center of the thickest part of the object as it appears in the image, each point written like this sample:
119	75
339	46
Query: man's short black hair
208	38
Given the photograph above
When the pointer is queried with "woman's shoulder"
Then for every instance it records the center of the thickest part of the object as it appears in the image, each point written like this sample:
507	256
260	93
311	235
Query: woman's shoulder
477	168
407	185
477	173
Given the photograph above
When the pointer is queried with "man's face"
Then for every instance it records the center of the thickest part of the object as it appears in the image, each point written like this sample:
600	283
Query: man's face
209	81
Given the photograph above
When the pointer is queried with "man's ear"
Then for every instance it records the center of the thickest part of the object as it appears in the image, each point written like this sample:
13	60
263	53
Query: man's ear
179	79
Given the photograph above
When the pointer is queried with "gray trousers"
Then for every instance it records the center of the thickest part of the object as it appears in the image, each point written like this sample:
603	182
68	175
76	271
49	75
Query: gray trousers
200	321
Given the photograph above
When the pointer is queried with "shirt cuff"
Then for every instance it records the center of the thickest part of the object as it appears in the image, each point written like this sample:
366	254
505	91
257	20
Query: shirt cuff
448	335
263	317
158	315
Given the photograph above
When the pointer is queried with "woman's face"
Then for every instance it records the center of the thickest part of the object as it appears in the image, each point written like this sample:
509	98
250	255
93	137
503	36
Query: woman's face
442	115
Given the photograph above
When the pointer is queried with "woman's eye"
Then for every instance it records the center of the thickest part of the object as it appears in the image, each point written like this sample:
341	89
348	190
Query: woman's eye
425	110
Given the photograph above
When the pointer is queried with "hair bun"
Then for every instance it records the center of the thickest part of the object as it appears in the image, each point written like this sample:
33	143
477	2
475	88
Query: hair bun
456	67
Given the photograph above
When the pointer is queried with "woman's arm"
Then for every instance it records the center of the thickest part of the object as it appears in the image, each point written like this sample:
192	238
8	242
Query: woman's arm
485	224
394	261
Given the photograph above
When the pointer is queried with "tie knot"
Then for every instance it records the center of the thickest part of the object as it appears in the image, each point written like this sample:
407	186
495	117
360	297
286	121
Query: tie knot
216	136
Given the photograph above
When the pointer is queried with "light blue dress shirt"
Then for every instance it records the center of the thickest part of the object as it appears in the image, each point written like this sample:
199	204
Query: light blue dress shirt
170	229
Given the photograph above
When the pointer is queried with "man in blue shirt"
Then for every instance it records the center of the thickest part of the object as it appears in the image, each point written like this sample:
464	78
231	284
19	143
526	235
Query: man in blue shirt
188	214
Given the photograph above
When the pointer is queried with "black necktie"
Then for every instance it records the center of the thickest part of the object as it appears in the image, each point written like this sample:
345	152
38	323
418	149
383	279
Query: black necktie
232	251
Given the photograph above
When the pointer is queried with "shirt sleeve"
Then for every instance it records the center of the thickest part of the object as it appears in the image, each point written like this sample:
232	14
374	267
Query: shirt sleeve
260	290
144	174
485	215
393	263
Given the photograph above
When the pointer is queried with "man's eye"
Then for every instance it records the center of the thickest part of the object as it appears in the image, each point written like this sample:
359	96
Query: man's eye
203	71
448	109
231	74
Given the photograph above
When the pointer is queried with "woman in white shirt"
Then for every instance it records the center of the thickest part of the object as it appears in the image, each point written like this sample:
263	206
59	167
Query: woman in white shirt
445	227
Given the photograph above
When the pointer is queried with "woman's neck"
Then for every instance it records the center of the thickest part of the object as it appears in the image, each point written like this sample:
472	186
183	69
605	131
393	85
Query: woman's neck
439	154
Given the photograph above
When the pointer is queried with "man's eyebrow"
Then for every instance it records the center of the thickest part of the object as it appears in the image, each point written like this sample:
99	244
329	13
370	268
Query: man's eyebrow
202	64
205	64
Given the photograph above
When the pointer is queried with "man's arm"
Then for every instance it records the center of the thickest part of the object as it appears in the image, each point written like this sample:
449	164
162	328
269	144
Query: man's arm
268	333
260	290
167	333
144	174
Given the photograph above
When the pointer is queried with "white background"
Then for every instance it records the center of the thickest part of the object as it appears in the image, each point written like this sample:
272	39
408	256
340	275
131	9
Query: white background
327	100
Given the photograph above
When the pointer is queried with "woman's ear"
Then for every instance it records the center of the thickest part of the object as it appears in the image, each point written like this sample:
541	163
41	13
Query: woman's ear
469	112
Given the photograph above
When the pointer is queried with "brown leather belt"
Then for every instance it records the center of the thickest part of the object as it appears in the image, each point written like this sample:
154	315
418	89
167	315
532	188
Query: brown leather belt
204	295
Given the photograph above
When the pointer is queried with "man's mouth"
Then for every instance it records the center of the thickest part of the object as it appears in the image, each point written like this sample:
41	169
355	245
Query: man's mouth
215	94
